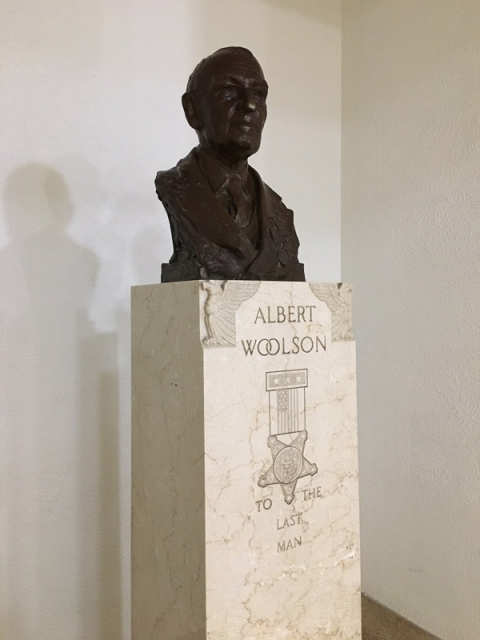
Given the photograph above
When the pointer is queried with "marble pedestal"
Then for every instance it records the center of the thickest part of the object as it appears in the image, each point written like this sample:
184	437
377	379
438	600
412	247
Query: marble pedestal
245	488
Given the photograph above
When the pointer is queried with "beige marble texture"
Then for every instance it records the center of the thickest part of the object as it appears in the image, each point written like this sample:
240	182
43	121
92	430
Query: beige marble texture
244	464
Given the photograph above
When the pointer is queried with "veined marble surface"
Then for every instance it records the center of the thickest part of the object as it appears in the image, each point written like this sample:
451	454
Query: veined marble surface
245	488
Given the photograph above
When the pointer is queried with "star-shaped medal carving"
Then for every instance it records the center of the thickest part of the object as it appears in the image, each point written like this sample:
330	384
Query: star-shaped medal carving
288	466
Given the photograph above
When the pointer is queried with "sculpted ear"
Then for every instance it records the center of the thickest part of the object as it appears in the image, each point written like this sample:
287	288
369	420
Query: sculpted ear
190	110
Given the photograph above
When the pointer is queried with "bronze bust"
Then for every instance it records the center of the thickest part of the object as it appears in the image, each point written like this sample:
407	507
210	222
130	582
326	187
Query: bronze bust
226	223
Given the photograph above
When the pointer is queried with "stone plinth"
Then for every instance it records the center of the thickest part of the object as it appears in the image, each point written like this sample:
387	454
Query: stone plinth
245	488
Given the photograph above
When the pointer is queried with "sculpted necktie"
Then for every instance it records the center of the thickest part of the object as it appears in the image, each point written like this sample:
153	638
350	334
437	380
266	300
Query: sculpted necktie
240	205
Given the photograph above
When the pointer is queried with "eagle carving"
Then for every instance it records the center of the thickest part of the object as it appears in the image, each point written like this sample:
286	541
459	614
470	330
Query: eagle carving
223	299
338	298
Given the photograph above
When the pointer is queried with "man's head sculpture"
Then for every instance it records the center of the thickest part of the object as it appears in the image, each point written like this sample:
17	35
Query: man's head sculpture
226	103
226	222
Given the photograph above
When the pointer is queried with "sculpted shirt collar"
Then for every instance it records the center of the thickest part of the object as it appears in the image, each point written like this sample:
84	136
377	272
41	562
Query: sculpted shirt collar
217	174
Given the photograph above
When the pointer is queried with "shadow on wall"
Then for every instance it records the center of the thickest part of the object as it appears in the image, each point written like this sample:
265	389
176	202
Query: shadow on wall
60	404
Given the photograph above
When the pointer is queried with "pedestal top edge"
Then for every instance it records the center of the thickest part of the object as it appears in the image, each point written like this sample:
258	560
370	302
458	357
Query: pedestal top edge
274	283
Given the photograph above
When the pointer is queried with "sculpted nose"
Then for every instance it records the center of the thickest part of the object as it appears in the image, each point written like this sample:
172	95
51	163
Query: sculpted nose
248	101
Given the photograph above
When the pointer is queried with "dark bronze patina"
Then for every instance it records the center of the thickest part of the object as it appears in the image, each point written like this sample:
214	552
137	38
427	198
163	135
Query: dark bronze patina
226	223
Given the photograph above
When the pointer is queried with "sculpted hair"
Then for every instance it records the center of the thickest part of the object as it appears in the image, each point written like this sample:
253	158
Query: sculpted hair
196	75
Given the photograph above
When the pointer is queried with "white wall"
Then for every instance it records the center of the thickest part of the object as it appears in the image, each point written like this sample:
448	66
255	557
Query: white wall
410	245
90	110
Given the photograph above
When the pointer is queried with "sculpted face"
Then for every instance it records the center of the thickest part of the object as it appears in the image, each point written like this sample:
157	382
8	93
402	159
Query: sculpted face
230	105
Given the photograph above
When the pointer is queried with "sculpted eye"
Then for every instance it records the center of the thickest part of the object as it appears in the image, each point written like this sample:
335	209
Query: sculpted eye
228	90
260	95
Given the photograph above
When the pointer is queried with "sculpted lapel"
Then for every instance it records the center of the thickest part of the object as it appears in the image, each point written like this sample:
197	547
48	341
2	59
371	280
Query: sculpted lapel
190	195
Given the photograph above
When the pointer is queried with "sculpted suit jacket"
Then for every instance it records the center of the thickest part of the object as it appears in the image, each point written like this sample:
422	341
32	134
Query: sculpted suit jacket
207	241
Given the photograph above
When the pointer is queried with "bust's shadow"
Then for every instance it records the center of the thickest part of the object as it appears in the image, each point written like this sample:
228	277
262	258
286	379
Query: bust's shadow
59	396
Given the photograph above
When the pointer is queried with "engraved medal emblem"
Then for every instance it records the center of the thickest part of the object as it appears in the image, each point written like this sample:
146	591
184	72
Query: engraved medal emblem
288	421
